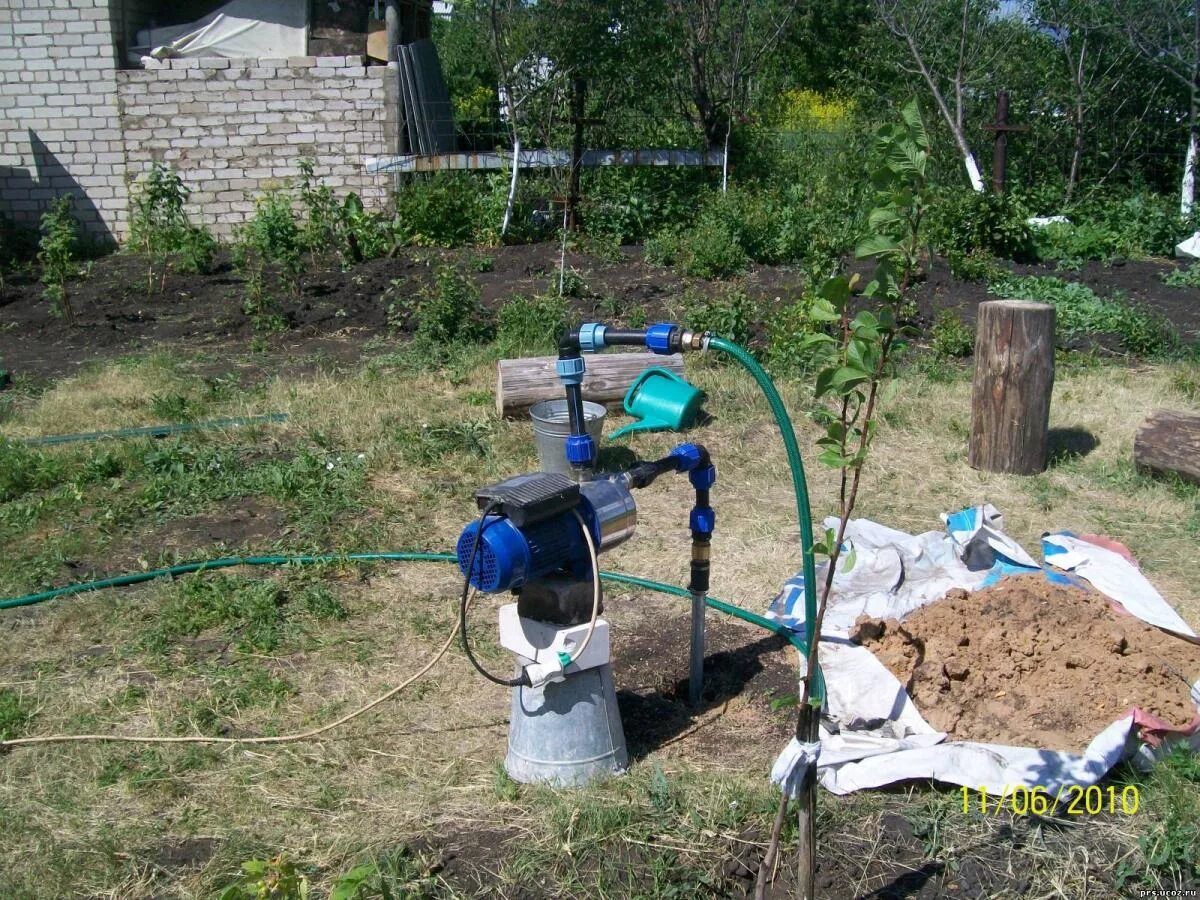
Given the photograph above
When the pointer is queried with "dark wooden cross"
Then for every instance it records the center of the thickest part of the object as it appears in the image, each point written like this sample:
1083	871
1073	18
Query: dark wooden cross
1001	129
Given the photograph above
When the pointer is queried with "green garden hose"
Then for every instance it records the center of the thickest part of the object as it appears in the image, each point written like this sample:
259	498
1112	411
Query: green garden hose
799	487
54	440
403	556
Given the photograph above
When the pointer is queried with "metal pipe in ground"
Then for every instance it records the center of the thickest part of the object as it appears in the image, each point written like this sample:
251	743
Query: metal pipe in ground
696	664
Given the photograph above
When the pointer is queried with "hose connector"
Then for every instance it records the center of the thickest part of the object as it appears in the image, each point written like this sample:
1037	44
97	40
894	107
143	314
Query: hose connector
570	370
591	337
658	337
581	450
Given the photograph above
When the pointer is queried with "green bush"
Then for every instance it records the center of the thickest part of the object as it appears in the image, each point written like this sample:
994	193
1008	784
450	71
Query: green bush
443	211
1135	227
731	315
530	325
1080	311
968	223
449	313
342	227
789	333
1183	278
979	265
57	252
711	250
159	227
273	234
630	203
951	337
663	247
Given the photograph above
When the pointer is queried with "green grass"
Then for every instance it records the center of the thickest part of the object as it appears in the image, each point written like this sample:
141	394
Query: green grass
386	457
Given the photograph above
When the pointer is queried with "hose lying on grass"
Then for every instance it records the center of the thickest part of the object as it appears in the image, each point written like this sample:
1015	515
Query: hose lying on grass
402	556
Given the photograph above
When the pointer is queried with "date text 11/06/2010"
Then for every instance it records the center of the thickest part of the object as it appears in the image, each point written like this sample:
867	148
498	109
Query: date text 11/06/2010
1071	800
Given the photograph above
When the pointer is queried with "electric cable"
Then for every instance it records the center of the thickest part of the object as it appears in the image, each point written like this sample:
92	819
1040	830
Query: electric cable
595	556
463	602
796	640
272	739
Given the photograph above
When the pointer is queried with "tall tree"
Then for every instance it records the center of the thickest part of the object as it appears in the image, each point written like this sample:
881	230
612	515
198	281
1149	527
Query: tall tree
1167	32
951	47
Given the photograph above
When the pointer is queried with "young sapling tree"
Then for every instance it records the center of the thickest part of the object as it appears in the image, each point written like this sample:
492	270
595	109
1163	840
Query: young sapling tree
854	362
57	253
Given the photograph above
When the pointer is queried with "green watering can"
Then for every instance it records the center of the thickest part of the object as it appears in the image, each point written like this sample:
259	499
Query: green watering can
662	401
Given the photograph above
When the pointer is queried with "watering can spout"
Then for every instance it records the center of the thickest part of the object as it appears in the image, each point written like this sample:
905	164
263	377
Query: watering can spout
660	400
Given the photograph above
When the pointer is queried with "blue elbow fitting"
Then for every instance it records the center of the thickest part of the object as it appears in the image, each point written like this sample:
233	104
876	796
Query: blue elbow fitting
658	337
591	337
687	456
703	478
581	450
570	371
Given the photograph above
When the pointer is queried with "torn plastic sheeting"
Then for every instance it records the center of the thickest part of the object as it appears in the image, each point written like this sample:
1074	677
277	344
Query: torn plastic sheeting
876	734
242	29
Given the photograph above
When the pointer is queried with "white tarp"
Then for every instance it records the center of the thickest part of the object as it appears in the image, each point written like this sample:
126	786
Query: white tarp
874	734
241	29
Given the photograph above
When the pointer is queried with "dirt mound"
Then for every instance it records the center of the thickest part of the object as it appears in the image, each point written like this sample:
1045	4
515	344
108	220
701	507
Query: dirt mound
1029	663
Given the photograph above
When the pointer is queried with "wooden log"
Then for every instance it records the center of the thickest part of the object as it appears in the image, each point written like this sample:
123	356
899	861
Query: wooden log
1010	397
520	383
1168	443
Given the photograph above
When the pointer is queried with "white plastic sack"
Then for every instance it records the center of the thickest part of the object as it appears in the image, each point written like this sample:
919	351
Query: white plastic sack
877	736
241	29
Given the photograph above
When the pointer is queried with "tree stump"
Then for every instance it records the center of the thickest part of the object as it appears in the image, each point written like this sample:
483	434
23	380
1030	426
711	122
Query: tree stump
1168	443
1010	398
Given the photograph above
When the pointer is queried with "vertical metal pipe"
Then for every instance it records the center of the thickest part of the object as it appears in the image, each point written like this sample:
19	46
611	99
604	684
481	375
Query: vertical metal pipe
391	18
696	665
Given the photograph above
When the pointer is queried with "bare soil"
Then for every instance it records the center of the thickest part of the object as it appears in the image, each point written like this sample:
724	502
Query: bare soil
1029	663
337	312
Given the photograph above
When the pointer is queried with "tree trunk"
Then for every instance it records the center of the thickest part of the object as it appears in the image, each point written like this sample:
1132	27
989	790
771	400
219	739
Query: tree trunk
1014	375
1168	443
520	383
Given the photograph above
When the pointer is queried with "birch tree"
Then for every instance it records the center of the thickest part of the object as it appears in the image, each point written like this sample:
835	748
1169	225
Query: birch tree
948	44
1167	32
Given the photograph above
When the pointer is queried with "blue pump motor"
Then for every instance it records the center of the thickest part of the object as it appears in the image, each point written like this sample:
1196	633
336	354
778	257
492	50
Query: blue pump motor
510	555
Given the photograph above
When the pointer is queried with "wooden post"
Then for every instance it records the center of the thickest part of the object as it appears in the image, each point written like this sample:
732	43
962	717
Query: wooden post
1014	374
1168	443
1001	129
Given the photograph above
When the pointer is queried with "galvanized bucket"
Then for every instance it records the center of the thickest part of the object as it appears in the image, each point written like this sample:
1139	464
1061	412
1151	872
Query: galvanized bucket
552	424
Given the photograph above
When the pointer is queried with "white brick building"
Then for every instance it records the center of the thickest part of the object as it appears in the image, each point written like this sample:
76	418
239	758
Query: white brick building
73	120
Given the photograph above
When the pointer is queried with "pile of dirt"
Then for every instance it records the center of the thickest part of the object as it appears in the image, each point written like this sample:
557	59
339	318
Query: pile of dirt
1029	663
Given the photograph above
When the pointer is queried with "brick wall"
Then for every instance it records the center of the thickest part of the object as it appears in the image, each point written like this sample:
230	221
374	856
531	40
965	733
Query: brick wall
71	122
59	129
232	128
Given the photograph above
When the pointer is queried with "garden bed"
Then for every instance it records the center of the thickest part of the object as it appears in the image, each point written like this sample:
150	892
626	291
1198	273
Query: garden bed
335	312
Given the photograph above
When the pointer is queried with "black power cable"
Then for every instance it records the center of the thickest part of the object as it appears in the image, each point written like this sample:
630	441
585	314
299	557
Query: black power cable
520	681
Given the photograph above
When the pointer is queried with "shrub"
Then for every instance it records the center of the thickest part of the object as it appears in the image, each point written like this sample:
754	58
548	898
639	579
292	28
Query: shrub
711	250
528	325
1080	311
1183	278
731	315
951	337
978	265
789	333
1135	227
968	223
662	248
449	313
57	254
444	211
159	227
345	227
273	234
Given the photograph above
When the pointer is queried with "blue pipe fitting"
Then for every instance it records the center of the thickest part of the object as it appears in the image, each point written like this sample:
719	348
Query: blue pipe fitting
581	450
702	520
687	456
658	337
591	337
703	478
570	371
